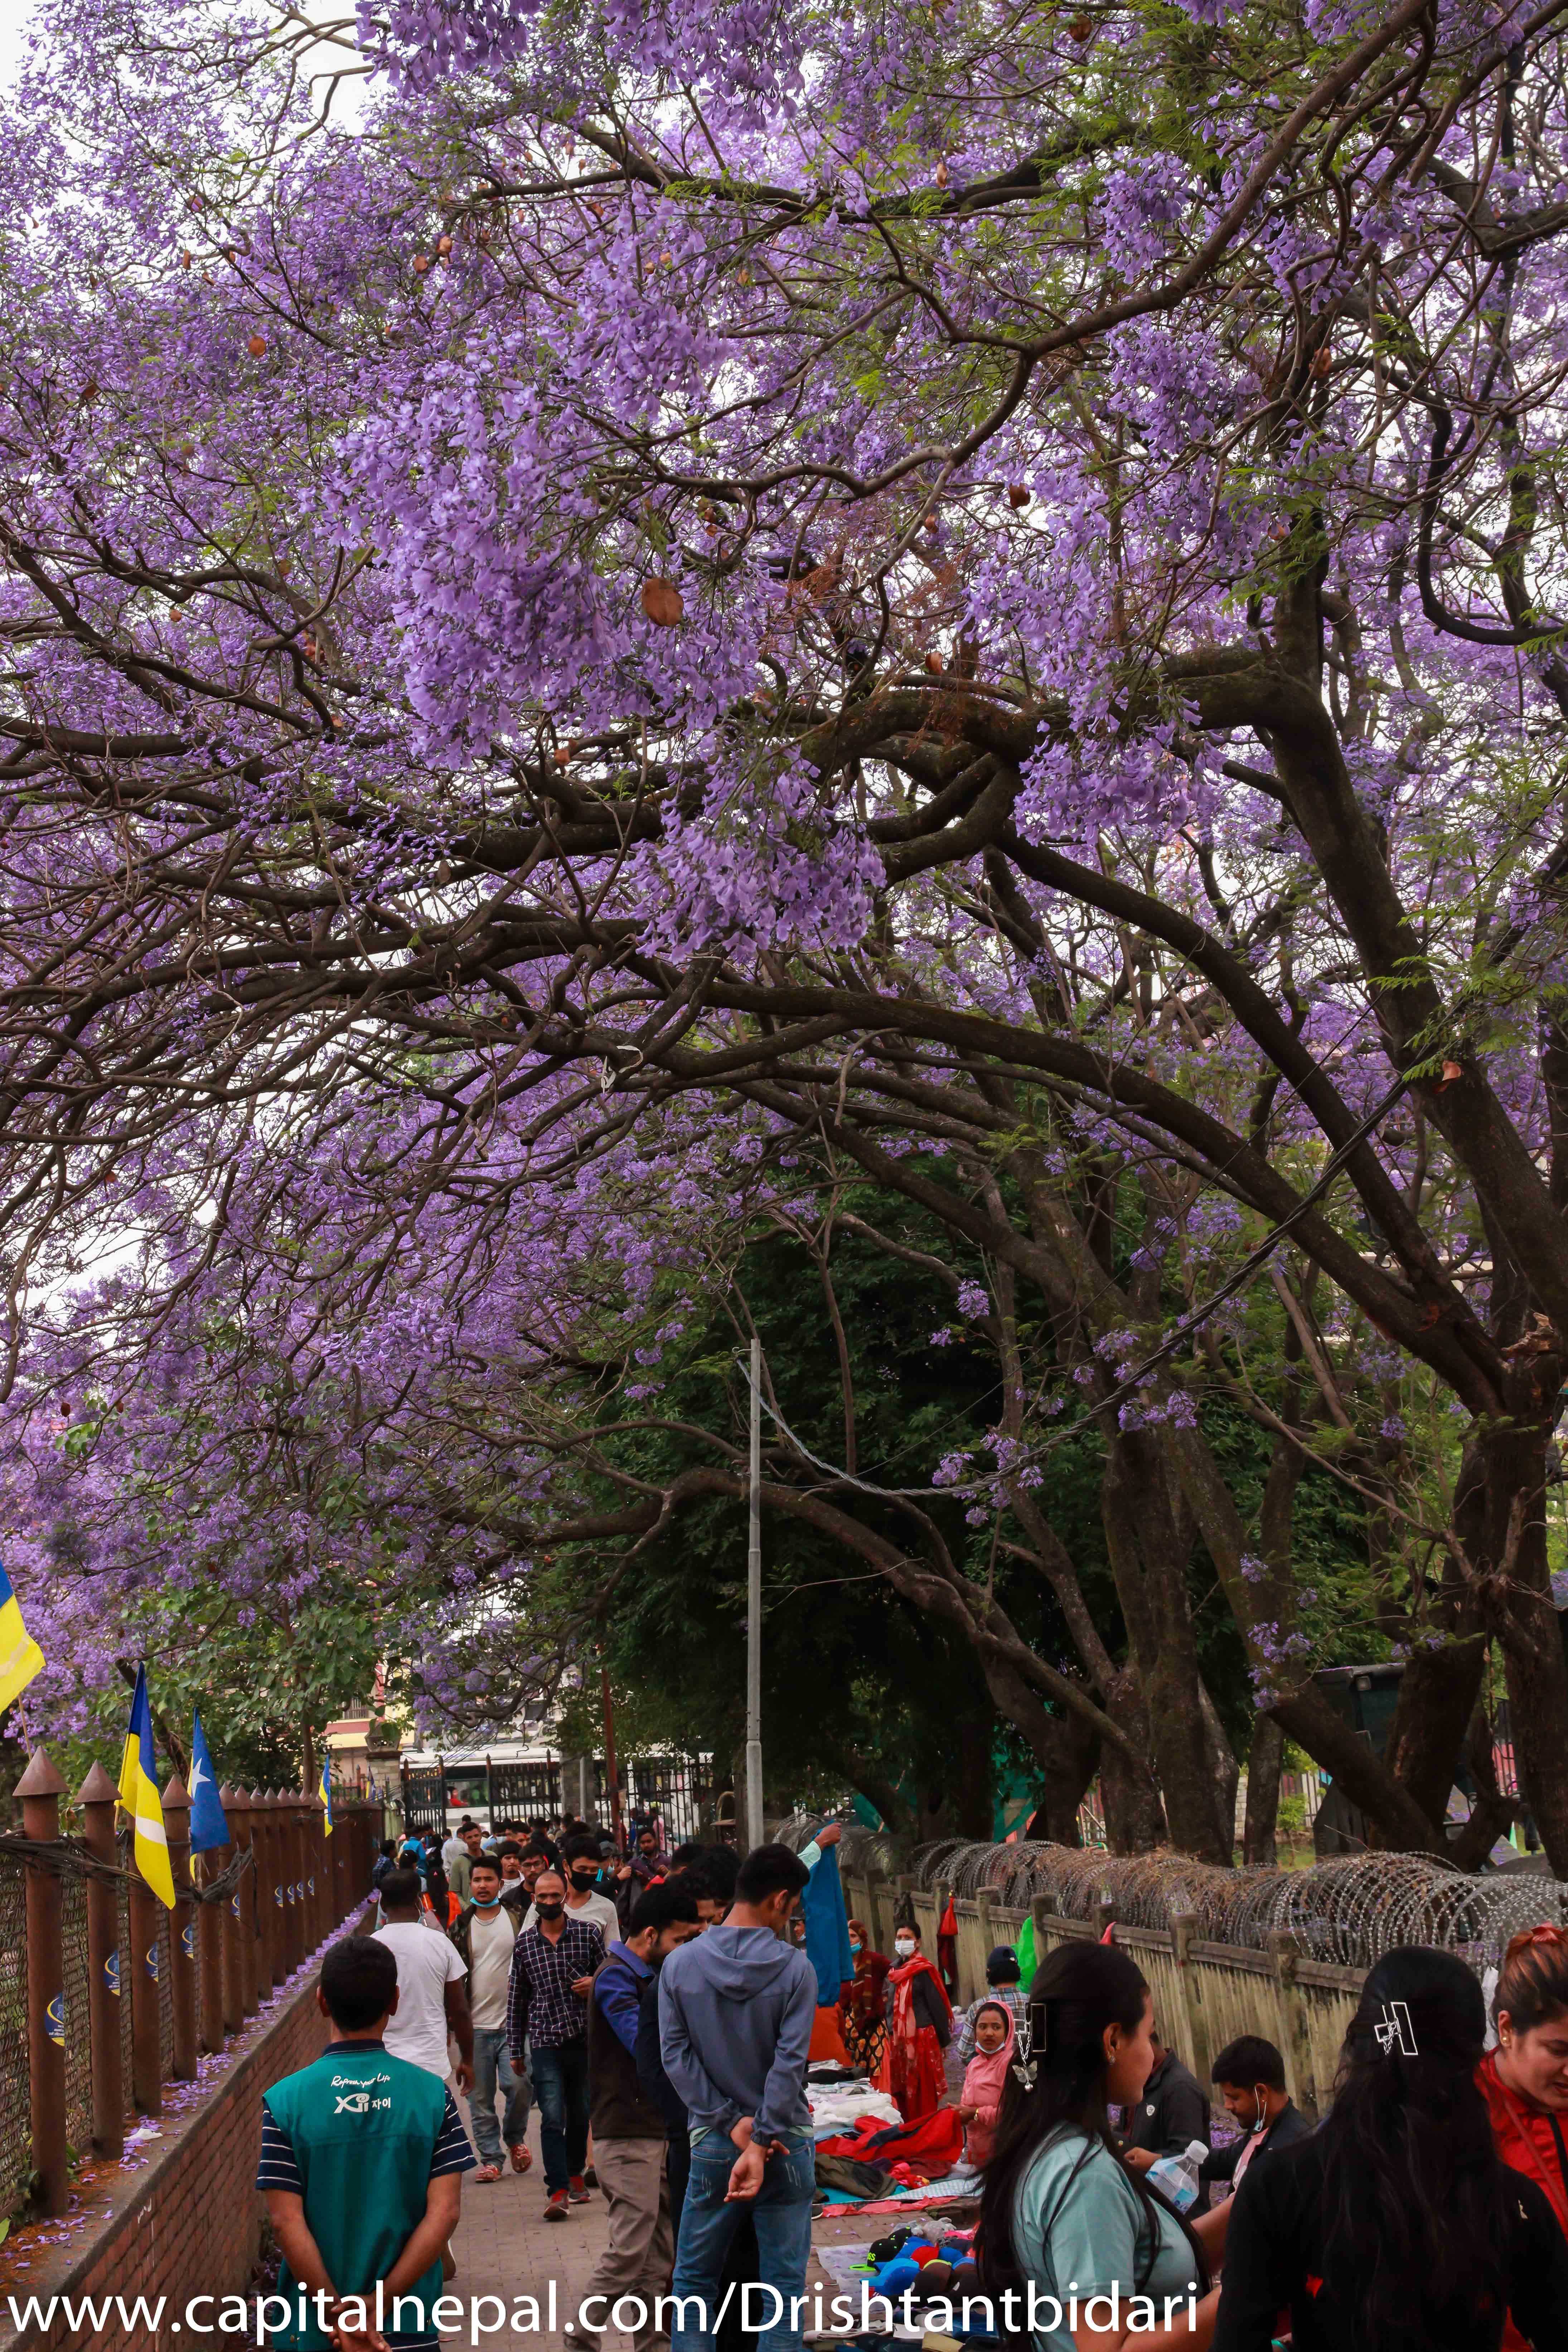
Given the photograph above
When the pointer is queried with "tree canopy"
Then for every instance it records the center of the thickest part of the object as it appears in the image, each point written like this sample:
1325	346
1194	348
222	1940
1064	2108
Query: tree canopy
708	612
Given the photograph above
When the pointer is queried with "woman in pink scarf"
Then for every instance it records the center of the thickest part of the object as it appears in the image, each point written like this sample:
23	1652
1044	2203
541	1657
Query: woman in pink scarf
984	2080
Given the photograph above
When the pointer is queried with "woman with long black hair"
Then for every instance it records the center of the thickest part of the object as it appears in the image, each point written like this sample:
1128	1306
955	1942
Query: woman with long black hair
1060	2212
1397	2226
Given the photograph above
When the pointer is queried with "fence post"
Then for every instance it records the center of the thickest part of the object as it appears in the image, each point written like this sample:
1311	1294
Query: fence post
182	1932
278	1904
300	1844
97	1798
1183	1935
266	1920
238	1918
212	1937
1105	1913
320	1911
142	1982
1295	2037
41	1790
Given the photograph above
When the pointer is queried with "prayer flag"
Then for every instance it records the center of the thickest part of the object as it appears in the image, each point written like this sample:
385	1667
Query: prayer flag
324	1790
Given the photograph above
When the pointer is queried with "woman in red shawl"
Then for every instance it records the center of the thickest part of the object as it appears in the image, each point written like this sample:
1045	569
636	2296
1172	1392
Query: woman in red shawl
861	2013
919	2026
1525	2079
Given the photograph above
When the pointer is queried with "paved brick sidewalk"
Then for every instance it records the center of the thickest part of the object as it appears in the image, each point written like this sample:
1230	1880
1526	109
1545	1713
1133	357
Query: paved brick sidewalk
505	2246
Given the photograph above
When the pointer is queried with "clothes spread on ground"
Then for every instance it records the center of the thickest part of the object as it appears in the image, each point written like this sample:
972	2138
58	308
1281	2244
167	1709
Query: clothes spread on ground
919	2026
844	2106
492	1935
927	2149
357	2116
427	1965
1275	2260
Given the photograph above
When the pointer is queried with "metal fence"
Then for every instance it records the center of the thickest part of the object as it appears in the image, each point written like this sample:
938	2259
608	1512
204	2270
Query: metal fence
88	2034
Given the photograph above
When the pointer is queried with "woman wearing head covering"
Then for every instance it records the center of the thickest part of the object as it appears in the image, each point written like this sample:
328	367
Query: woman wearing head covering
1397	2226
864	2032
1524	2081
986	2079
919	2018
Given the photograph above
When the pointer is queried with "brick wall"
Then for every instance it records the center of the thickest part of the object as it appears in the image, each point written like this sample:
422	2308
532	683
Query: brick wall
187	2223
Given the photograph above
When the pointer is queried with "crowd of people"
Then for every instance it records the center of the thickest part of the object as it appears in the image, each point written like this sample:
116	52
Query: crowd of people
660	2008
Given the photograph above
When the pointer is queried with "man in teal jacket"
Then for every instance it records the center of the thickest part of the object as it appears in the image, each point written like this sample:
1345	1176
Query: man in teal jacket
362	2163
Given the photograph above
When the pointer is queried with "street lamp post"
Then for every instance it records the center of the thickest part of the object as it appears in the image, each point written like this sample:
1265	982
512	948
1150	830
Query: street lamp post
755	1613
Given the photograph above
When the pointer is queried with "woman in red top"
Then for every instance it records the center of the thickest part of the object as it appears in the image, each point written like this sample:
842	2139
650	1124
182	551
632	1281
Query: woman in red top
862	2019
1525	2079
919	2026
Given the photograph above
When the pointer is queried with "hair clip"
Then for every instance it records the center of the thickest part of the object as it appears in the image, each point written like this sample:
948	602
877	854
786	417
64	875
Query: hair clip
1394	2031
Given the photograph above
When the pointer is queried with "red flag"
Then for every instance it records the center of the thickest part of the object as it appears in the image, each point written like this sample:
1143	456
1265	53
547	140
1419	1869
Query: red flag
947	1950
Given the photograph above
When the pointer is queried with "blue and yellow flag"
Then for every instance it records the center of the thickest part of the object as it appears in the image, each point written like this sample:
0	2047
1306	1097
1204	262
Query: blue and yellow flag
324	1790
140	1796
20	1656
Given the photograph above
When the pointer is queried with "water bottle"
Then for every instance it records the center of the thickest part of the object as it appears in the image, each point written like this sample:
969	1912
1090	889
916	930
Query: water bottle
1176	2176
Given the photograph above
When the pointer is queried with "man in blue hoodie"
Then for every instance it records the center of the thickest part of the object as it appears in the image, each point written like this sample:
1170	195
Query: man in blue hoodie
735	2013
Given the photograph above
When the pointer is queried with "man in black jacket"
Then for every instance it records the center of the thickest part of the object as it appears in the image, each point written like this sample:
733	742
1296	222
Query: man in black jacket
1171	2113
1249	2075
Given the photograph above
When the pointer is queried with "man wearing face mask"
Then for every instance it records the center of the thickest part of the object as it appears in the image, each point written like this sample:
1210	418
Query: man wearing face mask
1249	2075
552	1965
583	1899
483	1935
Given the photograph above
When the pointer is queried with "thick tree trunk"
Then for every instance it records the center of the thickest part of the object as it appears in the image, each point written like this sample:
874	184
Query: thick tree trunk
974	1794
1223	1770
1527	1632
1265	1758
1149	1560
1134	1817
1436	1699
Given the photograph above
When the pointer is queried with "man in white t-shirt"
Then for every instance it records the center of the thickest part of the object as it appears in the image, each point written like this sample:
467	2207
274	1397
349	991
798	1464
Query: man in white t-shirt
431	1999
584	1900
454	1845
483	1936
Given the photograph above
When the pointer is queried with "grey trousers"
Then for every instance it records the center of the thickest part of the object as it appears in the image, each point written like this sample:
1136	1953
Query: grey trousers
639	2259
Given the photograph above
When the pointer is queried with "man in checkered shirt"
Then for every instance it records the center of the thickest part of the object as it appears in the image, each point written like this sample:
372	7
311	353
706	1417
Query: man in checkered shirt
552	1966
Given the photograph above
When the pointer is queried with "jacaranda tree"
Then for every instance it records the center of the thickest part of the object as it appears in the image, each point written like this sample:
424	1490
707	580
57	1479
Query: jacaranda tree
977	587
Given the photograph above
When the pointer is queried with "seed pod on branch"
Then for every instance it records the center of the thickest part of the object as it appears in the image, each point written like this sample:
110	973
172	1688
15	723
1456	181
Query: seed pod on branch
663	604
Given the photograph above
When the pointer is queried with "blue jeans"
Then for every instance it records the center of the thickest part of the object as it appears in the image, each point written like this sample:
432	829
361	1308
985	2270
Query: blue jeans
493	2070
781	2212
561	2088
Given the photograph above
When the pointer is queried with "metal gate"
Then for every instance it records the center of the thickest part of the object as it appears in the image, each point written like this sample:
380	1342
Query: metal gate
681	1787
425	1799
524	1792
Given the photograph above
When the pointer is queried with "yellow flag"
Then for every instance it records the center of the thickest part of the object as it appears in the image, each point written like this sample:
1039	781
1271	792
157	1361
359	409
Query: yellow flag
20	1656
140	1796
